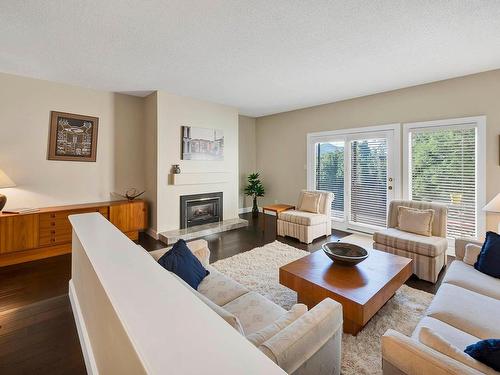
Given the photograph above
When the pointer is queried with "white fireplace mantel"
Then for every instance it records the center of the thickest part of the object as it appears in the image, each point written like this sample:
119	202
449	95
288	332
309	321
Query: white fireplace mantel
198	178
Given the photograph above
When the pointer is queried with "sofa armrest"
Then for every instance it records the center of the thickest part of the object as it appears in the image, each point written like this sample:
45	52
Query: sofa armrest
311	343
198	247
460	244
403	355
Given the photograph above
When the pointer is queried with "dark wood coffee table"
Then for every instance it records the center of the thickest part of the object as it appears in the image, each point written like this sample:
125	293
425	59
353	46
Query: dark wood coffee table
362	289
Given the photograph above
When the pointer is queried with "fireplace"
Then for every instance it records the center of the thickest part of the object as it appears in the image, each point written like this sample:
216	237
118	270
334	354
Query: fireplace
199	209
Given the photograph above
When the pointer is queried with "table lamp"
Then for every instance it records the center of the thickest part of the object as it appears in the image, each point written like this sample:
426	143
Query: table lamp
5	182
494	206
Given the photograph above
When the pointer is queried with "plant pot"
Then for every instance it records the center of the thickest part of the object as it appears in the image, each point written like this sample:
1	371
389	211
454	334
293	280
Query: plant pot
255	208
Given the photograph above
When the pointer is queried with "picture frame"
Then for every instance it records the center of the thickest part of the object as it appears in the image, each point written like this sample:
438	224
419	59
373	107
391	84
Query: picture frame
202	144
73	137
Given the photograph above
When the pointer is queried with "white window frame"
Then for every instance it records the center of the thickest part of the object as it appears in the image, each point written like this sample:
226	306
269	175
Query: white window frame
342	134
480	123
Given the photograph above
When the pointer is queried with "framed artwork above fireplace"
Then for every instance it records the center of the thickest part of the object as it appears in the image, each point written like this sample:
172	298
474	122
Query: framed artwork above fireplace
202	143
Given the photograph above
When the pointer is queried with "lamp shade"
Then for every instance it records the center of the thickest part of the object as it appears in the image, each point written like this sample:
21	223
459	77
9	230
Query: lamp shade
493	205
5	180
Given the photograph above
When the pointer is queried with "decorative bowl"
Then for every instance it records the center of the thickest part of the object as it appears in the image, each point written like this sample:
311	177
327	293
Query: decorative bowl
345	253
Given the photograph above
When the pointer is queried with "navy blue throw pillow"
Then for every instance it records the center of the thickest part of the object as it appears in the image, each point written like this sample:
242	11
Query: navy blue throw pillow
488	261
487	352
181	261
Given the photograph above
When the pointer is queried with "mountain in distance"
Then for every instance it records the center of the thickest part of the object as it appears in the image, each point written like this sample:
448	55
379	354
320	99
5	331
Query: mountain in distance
326	148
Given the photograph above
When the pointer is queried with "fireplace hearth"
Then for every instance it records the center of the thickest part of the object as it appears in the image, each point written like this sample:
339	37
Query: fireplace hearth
199	209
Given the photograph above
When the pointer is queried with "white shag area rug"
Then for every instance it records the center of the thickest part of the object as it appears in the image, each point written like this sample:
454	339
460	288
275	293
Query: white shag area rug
257	269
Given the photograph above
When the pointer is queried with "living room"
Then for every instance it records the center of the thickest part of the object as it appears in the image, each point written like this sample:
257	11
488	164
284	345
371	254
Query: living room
232	187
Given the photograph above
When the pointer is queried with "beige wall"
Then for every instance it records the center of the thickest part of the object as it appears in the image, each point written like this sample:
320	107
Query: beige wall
281	138
247	157
173	112
25	106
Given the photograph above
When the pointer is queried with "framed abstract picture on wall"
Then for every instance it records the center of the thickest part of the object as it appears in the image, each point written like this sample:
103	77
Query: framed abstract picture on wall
72	137
202	143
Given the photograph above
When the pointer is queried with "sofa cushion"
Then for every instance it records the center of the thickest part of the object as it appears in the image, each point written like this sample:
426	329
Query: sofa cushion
437	342
468	311
467	277
254	311
471	254
302	217
181	261
424	245
415	221
219	288
455	336
229	318
261	336
489	258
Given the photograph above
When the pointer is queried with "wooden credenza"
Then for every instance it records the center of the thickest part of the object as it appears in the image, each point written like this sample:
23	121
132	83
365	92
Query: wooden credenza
47	232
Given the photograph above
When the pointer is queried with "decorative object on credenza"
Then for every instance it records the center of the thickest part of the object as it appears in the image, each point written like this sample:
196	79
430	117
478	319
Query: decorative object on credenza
254	189
5	182
72	137
176	169
131	194
493	206
344	253
202	143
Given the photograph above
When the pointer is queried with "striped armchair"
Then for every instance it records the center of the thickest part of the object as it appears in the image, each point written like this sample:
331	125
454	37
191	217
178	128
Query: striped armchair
304	225
428	252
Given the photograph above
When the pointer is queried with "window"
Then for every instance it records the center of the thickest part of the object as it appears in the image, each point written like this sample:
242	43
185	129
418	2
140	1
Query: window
330	173
444	166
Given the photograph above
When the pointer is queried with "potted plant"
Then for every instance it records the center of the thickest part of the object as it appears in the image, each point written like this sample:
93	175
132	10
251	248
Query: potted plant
254	189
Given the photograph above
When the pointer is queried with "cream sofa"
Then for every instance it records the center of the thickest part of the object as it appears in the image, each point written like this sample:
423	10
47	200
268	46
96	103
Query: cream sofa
466	309
307	226
428	253
299	341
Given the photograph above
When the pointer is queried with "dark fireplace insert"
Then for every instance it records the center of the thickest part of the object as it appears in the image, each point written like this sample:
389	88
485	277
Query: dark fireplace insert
199	209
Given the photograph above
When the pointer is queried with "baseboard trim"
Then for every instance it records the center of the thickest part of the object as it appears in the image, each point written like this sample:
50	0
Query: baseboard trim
88	354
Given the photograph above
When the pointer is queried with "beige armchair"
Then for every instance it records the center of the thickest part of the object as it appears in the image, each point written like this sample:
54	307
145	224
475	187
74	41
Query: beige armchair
428	252
307	223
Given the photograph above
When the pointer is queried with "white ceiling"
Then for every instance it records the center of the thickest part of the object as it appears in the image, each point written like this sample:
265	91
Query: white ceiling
261	56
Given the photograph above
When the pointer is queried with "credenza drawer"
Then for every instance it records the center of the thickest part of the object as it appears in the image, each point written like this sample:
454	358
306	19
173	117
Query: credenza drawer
63	215
55	239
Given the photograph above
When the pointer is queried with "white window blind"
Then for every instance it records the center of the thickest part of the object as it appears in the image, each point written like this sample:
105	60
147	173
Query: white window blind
369	182
330	173
443	169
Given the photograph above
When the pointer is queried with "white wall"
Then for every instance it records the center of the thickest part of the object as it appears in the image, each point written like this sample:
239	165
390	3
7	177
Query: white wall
176	111
25	106
139	319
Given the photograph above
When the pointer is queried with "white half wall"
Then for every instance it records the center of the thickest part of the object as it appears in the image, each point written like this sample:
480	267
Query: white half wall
174	112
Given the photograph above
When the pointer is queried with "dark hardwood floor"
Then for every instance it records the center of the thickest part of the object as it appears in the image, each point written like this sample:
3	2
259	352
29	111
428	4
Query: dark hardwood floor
37	331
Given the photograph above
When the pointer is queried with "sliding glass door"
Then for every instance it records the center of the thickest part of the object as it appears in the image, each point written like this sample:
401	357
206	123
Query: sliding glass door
358	168
369	181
